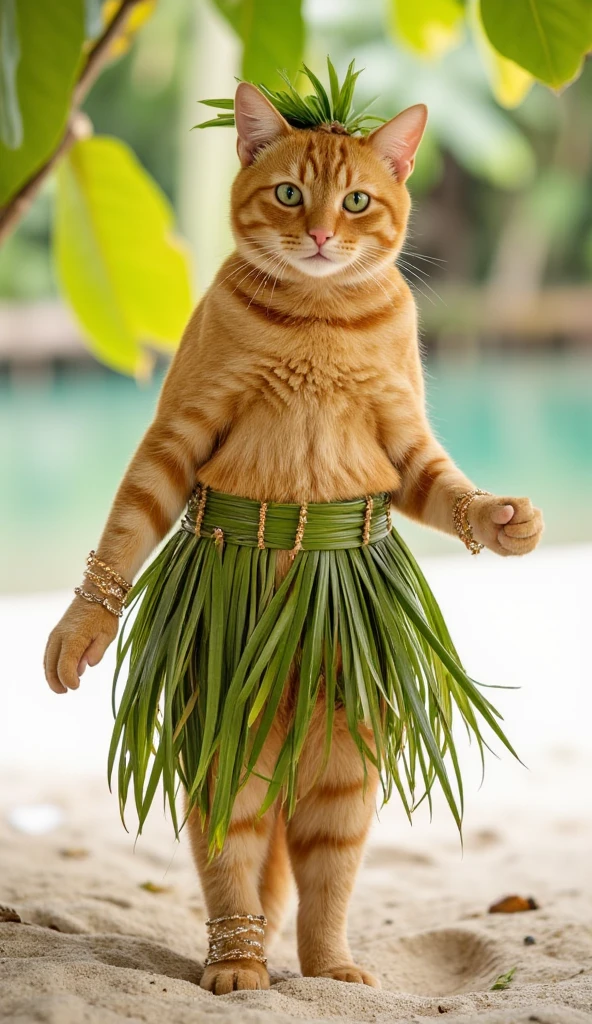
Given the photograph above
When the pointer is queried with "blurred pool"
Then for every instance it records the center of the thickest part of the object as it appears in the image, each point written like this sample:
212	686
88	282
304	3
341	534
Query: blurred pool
517	425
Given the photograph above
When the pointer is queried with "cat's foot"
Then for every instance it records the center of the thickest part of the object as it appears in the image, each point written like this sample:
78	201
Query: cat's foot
352	973
508	526
231	975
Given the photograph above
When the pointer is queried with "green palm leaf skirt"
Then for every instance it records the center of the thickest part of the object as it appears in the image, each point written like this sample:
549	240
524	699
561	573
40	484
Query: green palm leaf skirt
210	639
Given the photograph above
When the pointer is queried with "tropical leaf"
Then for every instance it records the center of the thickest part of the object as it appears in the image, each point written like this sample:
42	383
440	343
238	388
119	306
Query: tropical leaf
123	271
429	27
11	122
51	38
549	38
509	82
272	35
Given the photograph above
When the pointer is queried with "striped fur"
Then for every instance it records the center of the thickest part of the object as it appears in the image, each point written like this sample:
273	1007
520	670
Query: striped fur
290	386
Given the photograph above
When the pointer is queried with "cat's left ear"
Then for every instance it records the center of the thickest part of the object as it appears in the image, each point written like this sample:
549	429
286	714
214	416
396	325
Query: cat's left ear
398	139
257	122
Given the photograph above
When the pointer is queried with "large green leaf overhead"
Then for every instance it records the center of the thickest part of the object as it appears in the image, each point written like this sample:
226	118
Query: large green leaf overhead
123	271
430	27
272	34
11	122
547	37
50	38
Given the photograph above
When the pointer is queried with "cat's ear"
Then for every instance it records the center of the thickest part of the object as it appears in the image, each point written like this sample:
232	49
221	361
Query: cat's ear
398	139
257	122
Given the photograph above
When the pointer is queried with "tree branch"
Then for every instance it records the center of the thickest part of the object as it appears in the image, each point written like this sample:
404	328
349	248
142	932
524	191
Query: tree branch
78	125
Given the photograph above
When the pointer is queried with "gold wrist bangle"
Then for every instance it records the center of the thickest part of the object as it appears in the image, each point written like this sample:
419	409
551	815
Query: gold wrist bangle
106	586
95	599
461	521
92	562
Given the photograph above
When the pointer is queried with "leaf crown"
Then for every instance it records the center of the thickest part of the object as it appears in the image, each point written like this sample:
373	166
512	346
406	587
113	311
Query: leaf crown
331	110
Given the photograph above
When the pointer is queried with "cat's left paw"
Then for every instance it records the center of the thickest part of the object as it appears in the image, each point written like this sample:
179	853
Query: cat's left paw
508	526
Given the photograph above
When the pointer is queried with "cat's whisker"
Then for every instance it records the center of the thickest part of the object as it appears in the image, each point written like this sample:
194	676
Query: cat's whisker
408	253
414	273
256	270
246	262
418	288
284	264
409	266
367	265
423	256
419	274
265	279
235	270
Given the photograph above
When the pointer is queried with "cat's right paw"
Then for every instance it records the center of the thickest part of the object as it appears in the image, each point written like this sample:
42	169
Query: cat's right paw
233	975
80	638
508	526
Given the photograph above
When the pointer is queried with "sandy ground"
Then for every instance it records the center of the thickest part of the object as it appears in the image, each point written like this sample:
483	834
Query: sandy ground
92	945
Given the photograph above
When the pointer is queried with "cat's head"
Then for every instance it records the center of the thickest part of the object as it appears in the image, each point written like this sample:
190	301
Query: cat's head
318	203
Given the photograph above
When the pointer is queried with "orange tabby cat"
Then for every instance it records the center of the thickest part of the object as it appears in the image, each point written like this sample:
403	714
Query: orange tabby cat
298	379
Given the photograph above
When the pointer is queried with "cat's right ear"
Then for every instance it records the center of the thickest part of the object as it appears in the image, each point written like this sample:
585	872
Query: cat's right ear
257	122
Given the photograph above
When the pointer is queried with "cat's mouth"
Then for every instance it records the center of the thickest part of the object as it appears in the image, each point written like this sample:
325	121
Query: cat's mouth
317	257
318	265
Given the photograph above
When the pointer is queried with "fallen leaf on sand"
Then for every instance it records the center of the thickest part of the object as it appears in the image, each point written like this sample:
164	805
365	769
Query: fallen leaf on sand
74	853
152	887
513	905
503	981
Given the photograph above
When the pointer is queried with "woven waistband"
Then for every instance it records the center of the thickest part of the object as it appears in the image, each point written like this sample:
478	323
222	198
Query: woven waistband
315	526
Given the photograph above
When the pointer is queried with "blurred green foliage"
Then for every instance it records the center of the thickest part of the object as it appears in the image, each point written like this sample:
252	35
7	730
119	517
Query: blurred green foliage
549	38
11	120
119	265
272	36
125	275
430	27
48	39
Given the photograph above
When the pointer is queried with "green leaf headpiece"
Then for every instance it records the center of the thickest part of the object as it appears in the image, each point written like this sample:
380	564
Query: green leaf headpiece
318	108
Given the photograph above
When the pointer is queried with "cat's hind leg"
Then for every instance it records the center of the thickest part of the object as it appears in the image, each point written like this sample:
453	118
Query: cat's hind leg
276	878
231	880
326	837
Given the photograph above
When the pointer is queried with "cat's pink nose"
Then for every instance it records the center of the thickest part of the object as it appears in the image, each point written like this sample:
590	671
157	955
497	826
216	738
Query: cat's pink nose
320	235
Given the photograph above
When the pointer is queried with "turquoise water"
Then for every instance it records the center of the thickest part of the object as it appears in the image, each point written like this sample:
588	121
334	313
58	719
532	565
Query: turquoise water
517	425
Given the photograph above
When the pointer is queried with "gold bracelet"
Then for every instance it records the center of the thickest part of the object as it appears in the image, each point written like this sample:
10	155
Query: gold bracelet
92	561
461	521
106	586
95	599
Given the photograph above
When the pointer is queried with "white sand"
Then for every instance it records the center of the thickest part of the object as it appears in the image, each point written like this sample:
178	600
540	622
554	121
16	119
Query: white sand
92	946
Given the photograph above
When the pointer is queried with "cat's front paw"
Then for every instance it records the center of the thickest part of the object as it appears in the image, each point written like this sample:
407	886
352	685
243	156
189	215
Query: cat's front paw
80	638
234	975
508	526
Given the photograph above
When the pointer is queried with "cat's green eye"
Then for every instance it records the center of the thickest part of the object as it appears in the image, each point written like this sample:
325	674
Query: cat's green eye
355	202
288	194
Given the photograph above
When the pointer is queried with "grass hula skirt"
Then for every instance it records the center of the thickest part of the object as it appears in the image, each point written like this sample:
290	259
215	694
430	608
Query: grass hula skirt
210	639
